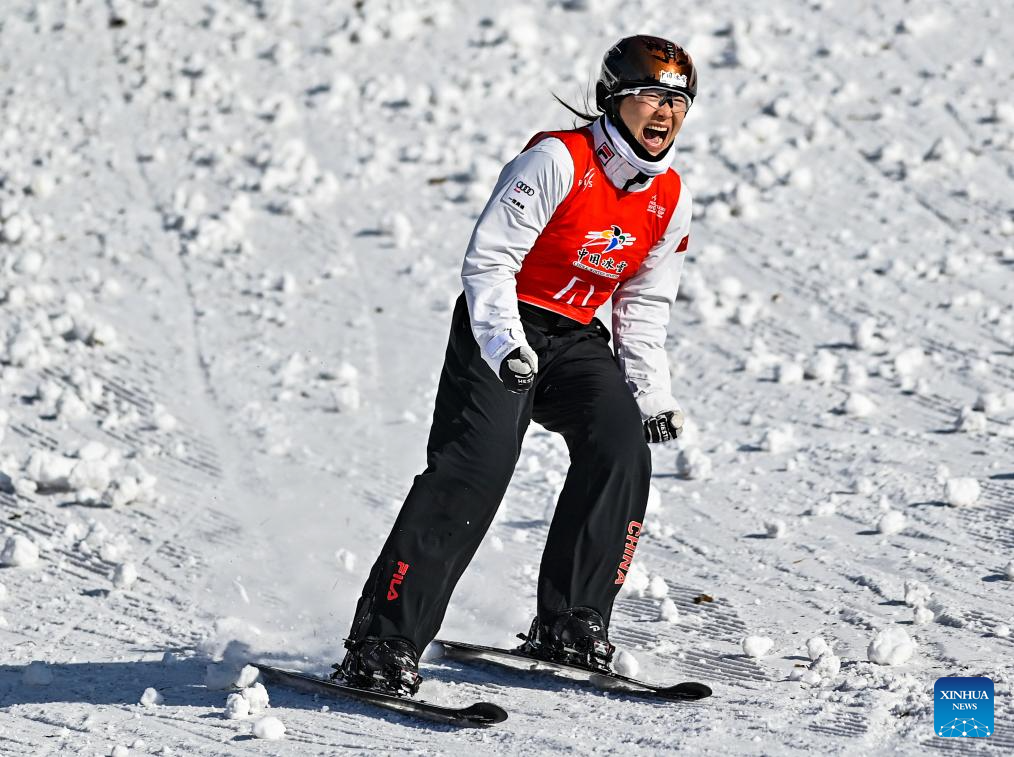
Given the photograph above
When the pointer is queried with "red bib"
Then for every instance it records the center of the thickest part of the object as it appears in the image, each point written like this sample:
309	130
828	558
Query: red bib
598	237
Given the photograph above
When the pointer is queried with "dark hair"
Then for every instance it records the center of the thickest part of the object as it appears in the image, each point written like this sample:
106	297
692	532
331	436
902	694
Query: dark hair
584	115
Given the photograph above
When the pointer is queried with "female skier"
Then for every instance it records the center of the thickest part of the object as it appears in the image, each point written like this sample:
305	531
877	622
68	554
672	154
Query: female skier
577	217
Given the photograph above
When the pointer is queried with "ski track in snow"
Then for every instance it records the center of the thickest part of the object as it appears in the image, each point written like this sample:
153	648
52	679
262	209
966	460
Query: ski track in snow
266	203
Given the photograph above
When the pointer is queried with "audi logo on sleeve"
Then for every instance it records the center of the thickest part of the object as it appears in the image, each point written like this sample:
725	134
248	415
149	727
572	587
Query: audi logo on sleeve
520	186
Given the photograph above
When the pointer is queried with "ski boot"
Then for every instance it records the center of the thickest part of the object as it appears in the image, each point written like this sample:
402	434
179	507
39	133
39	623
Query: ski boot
576	636
390	666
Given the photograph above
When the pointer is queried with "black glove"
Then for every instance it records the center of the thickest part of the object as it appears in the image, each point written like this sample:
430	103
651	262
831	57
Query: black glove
663	427
518	369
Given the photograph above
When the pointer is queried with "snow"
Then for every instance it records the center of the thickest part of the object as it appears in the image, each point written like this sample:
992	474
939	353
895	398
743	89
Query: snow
891	522
693	463
668	611
859	405
816	646
151	697
917	594
657	587
257	697
826	665
247	676
626	664
19	552
230	234
221	676
270	728
237	707
891	646
124	575
757	646
962	492
776	529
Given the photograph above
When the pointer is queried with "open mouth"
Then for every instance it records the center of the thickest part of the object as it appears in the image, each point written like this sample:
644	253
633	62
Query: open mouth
654	136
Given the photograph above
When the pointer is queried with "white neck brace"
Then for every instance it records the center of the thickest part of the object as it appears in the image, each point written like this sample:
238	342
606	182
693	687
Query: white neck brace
620	172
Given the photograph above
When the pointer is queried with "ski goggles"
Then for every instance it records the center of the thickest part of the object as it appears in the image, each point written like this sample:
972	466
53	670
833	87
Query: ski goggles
658	98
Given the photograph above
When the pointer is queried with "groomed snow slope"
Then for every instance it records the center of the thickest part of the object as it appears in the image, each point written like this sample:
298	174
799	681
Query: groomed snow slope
230	237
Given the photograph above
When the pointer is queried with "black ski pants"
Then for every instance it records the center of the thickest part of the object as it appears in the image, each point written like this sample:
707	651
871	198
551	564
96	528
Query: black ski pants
474	444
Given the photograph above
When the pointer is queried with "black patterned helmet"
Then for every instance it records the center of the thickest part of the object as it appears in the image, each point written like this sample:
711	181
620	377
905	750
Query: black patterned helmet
645	61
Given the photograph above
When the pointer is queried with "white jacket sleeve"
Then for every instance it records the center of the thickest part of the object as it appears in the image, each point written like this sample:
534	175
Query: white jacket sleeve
529	190
641	307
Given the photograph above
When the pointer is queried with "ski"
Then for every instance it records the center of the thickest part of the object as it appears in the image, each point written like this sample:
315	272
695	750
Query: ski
476	715
687	691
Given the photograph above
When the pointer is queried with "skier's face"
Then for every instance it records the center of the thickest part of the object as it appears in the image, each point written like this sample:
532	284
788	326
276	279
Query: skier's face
655	127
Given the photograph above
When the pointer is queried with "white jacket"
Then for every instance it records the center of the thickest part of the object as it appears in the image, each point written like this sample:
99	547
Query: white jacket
503	235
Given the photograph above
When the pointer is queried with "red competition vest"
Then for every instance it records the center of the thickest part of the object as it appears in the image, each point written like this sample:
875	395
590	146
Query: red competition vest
598	237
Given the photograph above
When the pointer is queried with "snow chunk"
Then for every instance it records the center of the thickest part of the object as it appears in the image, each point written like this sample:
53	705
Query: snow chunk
151	697
908	361
778	440
757	646
346	399
636	580
247	676
962	492
19	552
1009	570
826	665
987	402
891	646
657	587
693	463
257	697
917	594
864	335
124	575
668	611
3	592
824	509
789	373
237	706
270	728
776	528
971	421
891	522
37	673
220	676
49	470
859	406
626	664
922	616
816	646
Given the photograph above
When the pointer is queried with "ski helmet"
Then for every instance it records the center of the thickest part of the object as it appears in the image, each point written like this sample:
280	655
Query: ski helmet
644	61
